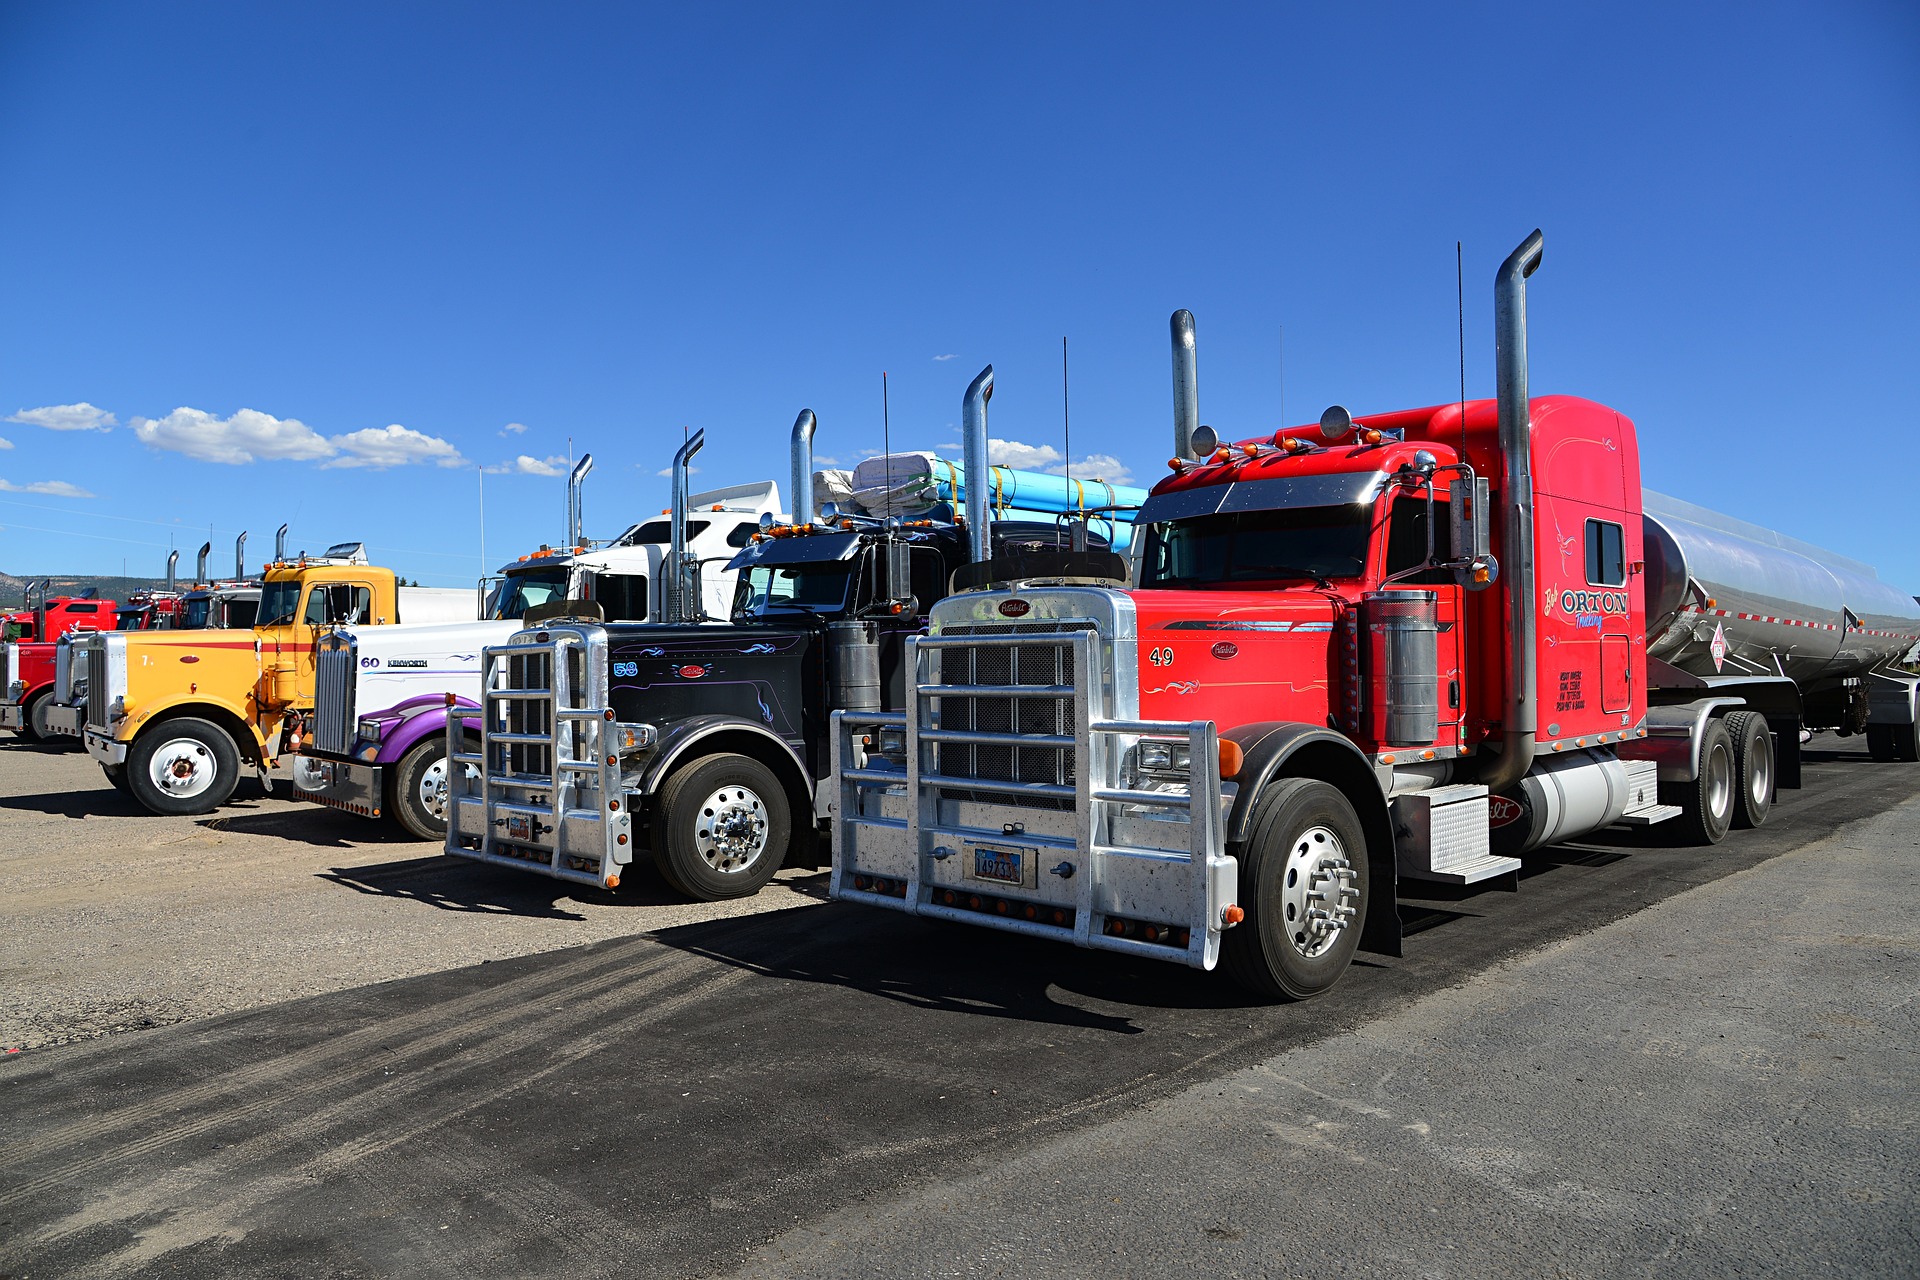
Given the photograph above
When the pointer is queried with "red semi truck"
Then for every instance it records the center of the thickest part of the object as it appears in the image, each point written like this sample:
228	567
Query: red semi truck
28	658
1410	645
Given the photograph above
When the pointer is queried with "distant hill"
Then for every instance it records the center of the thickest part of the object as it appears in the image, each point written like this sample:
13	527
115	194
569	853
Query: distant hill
13	587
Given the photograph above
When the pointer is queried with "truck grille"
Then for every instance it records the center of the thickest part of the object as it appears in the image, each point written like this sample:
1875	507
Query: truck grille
335	718
99	697
63	671
533	670
1040	665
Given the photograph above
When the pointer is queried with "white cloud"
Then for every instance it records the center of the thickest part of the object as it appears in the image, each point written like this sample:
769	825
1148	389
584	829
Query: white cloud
530	466
514	429
393	446
1046	458
248	436
950	355
668	471
252	436
66	417
51	488
5	443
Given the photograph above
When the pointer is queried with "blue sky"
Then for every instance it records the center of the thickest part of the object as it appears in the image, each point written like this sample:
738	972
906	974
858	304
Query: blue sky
389	231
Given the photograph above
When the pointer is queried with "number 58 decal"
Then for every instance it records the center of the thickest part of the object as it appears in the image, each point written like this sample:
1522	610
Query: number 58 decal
1161	657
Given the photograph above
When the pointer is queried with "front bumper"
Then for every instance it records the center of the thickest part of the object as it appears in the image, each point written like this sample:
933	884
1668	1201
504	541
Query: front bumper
66	722
105	748
12	716
340	784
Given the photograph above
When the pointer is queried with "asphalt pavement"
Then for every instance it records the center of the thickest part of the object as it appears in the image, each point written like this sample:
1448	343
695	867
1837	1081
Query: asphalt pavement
1645	1059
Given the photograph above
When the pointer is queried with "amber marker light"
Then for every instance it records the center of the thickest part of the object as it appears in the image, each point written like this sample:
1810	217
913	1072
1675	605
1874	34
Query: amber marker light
1233	913
1231	758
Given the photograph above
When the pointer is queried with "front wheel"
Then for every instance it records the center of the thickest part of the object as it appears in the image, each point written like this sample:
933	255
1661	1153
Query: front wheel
37	729
116	774
1303	886
420	789
183	766
722	828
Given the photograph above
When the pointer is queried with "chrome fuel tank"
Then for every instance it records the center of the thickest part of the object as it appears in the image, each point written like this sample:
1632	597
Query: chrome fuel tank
1777	605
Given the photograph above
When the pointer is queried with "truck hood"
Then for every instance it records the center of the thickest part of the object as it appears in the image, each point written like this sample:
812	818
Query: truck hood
429	637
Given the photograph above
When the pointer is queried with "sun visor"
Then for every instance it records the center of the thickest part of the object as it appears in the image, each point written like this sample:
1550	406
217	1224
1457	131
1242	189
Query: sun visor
807	549
1262	495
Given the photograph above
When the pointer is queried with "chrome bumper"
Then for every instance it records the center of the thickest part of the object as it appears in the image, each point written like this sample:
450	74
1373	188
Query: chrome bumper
105	748
340	784
66	722
12	716
1113	868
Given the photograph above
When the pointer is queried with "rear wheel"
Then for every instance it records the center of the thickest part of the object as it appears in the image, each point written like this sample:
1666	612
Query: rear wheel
1303	886
183	766
1752	767
420	789
721	828
1890	742
1707	803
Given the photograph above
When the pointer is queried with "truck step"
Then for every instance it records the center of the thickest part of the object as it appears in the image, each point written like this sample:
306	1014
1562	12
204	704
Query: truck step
1648	816
1467	872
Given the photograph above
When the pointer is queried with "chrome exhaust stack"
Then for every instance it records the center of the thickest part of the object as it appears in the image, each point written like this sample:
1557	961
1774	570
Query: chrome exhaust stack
576	509
1521	716
682	579
173	561
200	578
280	544
973	461
1186	385
240	555
800	466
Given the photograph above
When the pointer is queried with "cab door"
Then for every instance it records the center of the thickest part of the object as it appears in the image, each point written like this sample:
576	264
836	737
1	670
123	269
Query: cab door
1407	549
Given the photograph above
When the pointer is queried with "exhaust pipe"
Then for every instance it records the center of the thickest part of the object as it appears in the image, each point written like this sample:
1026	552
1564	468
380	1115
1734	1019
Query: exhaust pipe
1186	385
200	565
173	560
973	460
576	510
1522	713
280	543
240	555
800	466
681	584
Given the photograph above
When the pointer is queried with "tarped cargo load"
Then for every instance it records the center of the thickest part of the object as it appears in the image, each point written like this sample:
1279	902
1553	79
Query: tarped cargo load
910	485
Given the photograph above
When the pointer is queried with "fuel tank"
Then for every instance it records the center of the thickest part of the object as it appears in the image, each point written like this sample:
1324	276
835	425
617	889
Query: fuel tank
1776	605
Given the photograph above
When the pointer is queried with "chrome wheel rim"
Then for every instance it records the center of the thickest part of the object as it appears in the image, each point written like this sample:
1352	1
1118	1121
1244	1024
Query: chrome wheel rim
1320	894
433	788
1760	776
730	829
183	768
1719	767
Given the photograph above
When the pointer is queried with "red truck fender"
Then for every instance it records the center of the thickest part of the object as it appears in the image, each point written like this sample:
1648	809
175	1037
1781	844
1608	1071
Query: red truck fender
1272	750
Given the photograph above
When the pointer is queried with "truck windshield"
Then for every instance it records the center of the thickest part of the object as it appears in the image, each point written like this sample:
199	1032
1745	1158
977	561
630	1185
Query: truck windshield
524	591
194	613
1291	544
278	603
818	588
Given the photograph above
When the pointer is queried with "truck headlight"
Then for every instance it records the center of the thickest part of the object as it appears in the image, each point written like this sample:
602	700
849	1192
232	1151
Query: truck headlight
892	743
371	730
633	737
1172	758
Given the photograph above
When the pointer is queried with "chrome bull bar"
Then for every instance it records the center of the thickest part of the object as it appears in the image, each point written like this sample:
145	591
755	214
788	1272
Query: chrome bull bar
1143	872
568	819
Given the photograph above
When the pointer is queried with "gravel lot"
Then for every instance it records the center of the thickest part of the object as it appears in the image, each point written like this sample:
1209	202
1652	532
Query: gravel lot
113	919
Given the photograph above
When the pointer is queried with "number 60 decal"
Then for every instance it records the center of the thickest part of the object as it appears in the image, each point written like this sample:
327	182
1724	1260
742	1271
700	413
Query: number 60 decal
1161	657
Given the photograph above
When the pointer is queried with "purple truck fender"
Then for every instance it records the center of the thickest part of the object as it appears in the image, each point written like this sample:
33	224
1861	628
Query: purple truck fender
417	718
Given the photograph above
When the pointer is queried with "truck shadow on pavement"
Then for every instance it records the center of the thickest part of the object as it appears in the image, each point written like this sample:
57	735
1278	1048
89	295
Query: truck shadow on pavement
105	802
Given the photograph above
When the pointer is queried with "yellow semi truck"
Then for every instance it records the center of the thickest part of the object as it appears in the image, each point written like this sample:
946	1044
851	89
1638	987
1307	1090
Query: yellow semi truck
172	716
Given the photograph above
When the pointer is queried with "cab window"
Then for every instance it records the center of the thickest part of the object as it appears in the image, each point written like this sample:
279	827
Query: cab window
623	596
1407	540
742	534
342	603
1606	554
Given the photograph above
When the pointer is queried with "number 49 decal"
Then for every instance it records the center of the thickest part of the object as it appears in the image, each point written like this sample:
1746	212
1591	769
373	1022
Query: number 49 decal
1161	657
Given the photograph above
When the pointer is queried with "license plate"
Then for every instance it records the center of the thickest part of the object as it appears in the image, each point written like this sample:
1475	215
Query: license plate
997	865
520	827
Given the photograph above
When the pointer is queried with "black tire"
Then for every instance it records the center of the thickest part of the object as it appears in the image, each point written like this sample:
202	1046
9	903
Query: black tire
37	717
418	799
199	754
737	862
1753	767
1888	743
1269	953
28	732
116	774
1707	803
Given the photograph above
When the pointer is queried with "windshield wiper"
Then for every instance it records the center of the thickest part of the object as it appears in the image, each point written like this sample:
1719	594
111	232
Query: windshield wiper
1285	571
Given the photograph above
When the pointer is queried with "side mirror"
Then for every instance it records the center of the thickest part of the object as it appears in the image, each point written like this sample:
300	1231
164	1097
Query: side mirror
1470	515
898	568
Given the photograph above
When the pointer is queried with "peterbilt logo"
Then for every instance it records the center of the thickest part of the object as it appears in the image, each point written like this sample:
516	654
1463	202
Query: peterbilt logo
1502	810
691	672
1225	649
1014	608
